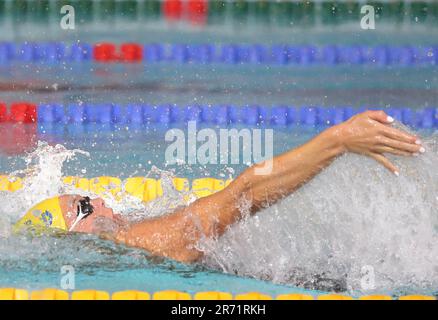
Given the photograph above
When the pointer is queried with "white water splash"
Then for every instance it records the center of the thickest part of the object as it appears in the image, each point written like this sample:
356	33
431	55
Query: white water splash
42	179
352	215
355	214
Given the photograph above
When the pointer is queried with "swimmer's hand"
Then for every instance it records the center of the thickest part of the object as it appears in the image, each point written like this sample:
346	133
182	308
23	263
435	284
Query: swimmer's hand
370	133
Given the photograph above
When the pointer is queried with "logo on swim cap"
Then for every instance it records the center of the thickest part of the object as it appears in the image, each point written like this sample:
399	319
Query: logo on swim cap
47	214
47	218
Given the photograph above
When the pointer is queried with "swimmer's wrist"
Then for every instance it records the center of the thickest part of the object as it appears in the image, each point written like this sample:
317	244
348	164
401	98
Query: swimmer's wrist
336	139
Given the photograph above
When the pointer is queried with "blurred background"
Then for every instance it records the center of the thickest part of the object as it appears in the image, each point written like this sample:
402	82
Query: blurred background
221	52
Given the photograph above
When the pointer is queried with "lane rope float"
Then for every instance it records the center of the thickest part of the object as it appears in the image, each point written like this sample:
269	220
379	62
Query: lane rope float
207	53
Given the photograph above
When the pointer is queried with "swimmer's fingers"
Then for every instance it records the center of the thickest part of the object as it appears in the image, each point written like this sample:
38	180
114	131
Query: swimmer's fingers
399	145
388	131
385	162
399	135
397	152
380	116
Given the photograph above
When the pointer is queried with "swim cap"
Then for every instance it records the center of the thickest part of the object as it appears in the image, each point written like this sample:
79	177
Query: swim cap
46	214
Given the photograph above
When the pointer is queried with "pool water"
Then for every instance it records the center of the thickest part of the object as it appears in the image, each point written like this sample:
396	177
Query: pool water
94	268
315	240
277	251
162	83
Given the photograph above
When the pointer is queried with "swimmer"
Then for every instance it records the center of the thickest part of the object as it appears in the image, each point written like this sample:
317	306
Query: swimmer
176	234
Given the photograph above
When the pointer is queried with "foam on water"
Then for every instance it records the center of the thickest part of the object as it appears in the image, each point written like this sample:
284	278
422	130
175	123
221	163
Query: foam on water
354	227
42	180
36	253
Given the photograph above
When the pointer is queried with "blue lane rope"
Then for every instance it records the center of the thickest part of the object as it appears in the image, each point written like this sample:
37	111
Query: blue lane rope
281	54
253	115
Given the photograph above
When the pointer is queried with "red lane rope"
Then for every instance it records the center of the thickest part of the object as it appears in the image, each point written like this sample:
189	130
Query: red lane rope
20	112
172	9
109	52
3	113
197	11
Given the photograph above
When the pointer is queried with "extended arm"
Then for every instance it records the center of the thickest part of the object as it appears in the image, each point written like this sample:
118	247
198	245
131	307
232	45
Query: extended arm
176	235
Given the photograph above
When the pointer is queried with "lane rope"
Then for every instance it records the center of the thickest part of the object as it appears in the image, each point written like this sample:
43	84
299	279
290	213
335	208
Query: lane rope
256	54
113	115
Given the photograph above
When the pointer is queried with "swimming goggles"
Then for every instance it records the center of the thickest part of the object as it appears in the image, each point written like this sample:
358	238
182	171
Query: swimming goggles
84	210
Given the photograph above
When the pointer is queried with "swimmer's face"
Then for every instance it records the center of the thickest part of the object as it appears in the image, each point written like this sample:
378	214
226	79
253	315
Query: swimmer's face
69	205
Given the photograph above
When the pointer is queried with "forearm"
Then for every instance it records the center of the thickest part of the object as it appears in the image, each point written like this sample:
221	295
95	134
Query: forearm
212	215
251	191
289	171
176	235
